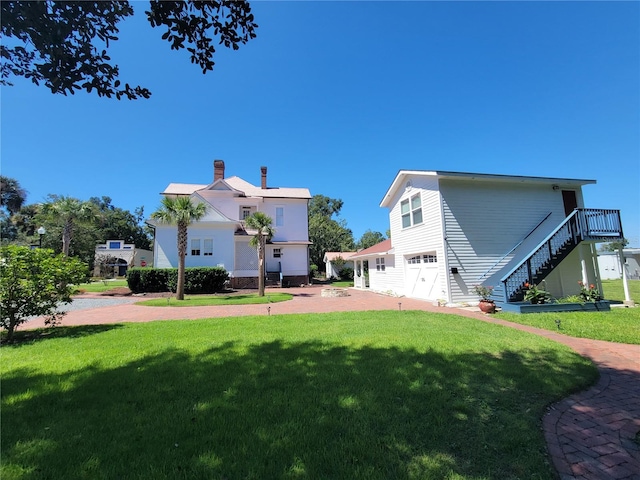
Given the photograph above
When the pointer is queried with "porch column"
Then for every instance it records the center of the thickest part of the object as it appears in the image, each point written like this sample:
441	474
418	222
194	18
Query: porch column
583	266
596	267
625	285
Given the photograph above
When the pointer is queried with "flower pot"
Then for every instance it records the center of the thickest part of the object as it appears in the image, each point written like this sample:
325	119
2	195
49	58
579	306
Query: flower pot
487	306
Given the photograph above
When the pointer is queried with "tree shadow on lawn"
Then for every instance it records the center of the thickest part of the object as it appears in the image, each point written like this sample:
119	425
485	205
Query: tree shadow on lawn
29	337
301	410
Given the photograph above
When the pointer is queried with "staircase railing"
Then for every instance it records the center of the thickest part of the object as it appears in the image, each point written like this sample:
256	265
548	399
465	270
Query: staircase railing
514	247
583	224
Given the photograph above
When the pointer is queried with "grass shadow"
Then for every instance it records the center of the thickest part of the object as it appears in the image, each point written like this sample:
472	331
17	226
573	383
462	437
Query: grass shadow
29	337
287	410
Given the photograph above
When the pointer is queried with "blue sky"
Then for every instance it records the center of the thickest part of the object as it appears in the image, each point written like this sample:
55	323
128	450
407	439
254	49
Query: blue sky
339	96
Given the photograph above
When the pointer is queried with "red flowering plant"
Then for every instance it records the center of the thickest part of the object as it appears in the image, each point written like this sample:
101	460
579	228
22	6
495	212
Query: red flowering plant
589	293
535	294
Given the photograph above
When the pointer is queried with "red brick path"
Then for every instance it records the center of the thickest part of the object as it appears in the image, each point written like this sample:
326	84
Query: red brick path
589	435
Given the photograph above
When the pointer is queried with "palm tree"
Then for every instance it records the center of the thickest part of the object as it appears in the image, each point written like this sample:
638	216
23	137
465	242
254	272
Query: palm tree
262	224
69	211
182	212
12	195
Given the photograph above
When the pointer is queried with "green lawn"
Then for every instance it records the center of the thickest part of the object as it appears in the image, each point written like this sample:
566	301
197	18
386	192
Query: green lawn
359	395
101	286
342	284
614	290
203	301
620	325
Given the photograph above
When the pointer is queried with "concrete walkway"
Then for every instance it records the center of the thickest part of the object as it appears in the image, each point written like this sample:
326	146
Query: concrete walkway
589	435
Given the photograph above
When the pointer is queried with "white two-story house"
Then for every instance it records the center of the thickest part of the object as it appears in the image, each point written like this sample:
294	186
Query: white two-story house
221	239
451	231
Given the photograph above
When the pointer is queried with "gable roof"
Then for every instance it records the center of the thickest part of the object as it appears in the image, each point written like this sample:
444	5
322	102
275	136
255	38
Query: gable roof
382	248
331	256
238	185
403	175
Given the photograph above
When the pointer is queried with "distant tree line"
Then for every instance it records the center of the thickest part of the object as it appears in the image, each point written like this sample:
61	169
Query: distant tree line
73	227
330	234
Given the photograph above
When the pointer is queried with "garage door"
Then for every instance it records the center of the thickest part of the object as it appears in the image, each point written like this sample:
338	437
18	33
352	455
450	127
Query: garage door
421	276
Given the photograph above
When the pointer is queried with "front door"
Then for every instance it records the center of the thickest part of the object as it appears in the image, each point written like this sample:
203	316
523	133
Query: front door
570	201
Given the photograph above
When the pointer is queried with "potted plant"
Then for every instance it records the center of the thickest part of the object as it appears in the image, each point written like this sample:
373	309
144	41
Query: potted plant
536	295
486	304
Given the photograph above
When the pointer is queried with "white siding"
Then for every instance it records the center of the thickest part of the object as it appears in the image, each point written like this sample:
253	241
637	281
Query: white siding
166	248
418	239
485	220
296	226
293	259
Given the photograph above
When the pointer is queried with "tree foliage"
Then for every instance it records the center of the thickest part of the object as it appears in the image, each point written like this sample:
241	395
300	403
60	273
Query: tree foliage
181	212
262	224
326	233
12	195
67	213
108	222
369	239
614	246
33	282
64	44
324	206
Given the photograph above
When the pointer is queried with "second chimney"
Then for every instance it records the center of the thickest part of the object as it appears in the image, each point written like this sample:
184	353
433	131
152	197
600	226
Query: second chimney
263	170
218	170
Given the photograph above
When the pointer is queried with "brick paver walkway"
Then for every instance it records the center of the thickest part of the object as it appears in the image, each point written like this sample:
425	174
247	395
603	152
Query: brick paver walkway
590	435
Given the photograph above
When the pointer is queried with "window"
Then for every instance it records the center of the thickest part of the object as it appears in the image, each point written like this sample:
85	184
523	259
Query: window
208	247
277	253
114	245
413	260
195	246
279	216
411	211
430	258
246	212
380	264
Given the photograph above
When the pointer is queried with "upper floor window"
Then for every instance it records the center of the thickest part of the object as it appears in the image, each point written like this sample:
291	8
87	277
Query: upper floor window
246	212
114	245
208	247
411	211
195	246
279	216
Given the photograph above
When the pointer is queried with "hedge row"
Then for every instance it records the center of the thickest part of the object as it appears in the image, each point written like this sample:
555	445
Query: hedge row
197	280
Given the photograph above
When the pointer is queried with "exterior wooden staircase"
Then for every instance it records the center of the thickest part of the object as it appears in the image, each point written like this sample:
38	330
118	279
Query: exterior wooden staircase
582	225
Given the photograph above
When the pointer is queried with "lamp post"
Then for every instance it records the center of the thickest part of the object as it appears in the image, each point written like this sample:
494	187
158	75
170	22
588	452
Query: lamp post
41	232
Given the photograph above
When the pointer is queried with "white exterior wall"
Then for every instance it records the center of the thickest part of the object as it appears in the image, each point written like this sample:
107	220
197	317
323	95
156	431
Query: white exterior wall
166	247
382	280
484	220
424	238
610	266
293	259
296	220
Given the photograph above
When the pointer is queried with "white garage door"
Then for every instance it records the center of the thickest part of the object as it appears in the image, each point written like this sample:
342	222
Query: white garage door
421	276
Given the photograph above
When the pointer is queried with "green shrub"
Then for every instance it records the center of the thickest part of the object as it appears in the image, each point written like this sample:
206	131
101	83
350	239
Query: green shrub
148	280
197	280
571	299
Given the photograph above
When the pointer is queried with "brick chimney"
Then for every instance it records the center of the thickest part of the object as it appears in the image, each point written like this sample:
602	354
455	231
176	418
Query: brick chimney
218	170
263	170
